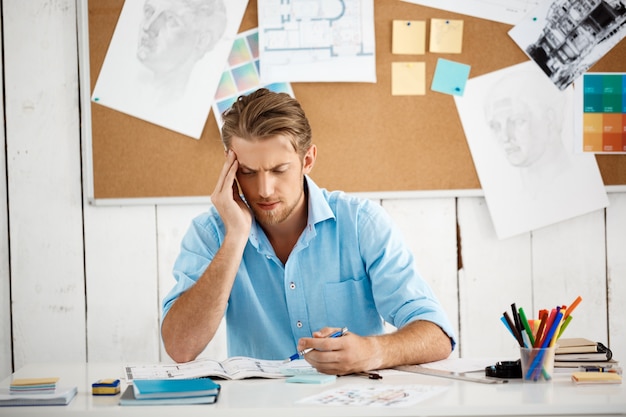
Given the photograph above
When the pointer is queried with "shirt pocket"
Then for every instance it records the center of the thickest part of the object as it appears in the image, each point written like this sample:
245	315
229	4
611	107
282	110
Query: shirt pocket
350	303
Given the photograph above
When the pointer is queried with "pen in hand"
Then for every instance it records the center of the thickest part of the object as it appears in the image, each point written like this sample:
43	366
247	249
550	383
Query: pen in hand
303	352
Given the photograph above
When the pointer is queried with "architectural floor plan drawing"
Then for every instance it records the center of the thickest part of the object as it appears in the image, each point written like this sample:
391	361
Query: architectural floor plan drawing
317	40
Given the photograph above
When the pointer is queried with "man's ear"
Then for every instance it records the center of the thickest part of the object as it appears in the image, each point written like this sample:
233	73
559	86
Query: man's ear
309	159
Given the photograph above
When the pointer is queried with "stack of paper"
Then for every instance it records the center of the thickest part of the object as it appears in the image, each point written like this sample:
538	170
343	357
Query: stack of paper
171	391
36	391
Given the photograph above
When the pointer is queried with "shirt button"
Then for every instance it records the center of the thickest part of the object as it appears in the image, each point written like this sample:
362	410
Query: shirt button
299	324
292	285
268	256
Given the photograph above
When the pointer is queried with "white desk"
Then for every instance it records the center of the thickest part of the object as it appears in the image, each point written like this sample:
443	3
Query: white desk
276	397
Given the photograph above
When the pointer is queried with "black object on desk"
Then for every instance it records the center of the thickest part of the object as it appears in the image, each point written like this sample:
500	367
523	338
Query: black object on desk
505	369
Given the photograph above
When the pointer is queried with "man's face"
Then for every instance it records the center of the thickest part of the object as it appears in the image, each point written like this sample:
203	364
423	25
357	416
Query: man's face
271	177
167	35
519	131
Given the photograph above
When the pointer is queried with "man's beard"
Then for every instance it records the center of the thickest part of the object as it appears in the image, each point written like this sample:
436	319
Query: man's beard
277	215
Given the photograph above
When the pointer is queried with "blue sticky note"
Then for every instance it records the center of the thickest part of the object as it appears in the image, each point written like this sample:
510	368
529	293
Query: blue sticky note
312	379
450	77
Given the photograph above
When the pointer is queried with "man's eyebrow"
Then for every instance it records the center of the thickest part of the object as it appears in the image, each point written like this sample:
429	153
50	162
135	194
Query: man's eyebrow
247	168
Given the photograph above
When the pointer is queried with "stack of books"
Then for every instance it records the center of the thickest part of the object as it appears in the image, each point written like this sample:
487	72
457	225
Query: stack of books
170	392
578	351
36	391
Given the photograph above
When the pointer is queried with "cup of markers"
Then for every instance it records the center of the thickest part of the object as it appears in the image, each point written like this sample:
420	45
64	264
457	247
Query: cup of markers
537	363
538	338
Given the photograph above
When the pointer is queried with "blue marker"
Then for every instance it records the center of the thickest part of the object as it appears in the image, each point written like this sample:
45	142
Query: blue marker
301	353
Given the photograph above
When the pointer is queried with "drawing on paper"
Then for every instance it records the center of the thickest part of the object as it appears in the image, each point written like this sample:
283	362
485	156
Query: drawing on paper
317	40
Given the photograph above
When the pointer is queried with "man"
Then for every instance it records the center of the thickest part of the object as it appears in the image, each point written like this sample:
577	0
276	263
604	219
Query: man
289	263
174	35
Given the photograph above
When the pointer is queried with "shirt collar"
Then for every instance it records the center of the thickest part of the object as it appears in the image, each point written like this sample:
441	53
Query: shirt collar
319	209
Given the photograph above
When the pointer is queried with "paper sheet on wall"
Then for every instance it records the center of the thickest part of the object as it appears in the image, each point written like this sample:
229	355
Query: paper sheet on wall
600	118
505	11
564	41
152	73
317	40
519	130
241	75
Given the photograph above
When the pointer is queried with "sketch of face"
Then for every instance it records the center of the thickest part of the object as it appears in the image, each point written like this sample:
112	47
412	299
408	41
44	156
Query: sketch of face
519	130
167	37
174	34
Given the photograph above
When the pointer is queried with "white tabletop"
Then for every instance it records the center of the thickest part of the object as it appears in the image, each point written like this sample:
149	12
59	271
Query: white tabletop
277	398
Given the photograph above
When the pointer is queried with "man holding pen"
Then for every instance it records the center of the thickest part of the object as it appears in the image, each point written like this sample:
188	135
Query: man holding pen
289	263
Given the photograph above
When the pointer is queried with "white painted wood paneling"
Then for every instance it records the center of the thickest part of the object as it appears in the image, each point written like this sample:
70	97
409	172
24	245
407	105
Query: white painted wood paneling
429	227
616	274
6	366
568	260
172	223
121	271
43	163
495	273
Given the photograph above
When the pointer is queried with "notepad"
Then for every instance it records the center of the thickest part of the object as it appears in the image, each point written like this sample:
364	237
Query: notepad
596	378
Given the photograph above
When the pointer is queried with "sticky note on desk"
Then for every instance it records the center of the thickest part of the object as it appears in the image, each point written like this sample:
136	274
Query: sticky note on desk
23	382
409	37
596	378
450	77
408	78
446	36
312	379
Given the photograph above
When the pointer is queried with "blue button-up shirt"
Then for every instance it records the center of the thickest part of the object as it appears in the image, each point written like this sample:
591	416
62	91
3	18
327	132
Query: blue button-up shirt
350	268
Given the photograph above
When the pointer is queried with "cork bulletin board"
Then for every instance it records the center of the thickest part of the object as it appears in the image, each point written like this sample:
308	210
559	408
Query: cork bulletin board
368	140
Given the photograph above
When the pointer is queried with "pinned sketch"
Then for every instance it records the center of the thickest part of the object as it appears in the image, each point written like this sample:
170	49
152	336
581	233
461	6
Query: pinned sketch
566	37
519	130
241	75
165	60
317	40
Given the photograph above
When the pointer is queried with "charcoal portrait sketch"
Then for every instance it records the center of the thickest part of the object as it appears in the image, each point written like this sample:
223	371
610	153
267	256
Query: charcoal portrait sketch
173	36
165	59
519	128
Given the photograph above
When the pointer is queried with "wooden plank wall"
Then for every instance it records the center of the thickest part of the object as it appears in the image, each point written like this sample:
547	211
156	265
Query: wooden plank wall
79	282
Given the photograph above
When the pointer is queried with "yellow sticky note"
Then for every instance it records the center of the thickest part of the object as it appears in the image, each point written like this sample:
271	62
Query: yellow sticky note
446	36
409	37
596	378
19	382
408	78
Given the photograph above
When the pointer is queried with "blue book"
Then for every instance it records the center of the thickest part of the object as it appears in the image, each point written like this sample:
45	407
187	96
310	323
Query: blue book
128	398
174	388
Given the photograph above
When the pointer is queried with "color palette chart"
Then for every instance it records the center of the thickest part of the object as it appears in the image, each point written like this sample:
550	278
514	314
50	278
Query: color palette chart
604	112
241	75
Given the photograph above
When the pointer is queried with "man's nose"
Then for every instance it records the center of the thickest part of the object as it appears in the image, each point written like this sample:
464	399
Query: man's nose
266	185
